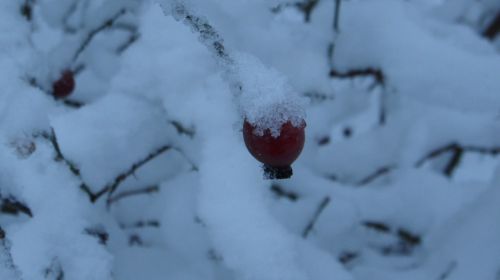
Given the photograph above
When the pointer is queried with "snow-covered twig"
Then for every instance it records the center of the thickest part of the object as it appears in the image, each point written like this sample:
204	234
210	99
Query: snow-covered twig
208	35
51	137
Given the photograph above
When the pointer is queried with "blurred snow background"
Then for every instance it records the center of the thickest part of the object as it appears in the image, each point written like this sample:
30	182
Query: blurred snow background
142	173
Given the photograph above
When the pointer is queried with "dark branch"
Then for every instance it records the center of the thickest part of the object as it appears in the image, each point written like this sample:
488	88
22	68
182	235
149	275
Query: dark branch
457	151
73	103
319	210
67	102
493	28
448	271
307	7
336	17
375	175
347	257
377	74
111	188
377	226
131	40
92	33
142	224
119	196
71	11
181	129
280	192
51	137
27	9
14	207
207	33
406	240
99	233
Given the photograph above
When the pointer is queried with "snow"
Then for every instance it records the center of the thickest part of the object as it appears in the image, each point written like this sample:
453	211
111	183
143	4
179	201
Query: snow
142	172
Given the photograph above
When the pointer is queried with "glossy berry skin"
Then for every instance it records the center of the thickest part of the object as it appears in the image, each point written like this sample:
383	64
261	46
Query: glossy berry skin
276	153
64	86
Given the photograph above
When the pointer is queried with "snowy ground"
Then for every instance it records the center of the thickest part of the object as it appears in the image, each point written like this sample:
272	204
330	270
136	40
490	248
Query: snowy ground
142	172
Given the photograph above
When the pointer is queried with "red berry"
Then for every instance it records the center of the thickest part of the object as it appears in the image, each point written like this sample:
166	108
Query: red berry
64	86
276	153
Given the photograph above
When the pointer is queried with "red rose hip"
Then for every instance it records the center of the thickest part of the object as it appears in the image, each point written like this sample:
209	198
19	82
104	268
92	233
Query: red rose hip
64	86
276	153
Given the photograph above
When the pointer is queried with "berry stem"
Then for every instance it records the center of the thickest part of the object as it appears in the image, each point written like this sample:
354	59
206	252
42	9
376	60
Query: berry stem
275	172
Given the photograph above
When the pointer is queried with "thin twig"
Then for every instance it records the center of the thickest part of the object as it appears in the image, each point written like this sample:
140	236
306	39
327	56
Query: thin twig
493	28
458	151
448	271
14	207
73	103
307	7
181	129
314	219
375	175
51	137
27	9
377	74
124	194
280	192
336	17
142	224
91	34
111	188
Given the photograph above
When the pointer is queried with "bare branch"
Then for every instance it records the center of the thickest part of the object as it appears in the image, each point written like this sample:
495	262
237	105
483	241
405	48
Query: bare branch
377	74
319	210
375	175
280	192
51	137
458	151
142	224
124	194
493	28
336	17
92	33
111	188
13	206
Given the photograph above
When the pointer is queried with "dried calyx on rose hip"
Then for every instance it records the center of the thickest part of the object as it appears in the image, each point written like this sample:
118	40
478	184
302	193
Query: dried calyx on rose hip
65	85
276	152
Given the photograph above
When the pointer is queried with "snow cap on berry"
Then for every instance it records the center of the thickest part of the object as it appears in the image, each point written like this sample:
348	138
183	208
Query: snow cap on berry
267	100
